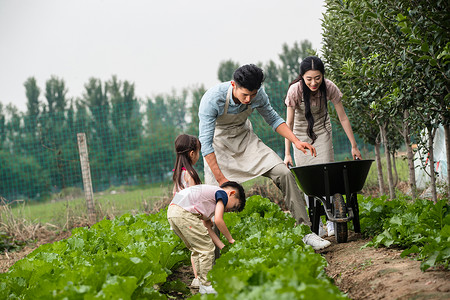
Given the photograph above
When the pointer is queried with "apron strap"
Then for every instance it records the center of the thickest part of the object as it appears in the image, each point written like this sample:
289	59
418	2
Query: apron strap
227	101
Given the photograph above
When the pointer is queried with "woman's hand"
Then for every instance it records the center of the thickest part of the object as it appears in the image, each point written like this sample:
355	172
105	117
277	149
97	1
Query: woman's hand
356	153
288	160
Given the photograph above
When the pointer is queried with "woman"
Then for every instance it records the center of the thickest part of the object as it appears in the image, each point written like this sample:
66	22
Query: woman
307	115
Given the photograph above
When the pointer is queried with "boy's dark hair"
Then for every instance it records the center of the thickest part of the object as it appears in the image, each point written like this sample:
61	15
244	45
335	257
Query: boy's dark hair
240	193
250	77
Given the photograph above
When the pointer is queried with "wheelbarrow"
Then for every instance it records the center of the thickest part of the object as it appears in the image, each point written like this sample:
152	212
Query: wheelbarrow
321	181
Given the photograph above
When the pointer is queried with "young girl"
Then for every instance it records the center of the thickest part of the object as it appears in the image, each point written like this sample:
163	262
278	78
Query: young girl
187	148
307	116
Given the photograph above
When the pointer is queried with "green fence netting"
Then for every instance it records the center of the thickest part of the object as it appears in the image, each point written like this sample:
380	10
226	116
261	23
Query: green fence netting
129	142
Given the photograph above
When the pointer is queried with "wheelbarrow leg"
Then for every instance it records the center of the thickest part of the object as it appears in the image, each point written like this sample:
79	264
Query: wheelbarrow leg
355	207
314	213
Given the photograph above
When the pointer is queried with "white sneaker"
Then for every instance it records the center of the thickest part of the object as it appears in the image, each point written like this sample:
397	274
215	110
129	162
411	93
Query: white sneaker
207	289
322	232
315	241
330	228
195	283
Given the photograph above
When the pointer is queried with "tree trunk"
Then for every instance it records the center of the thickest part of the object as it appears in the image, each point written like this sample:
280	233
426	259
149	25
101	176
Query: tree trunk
394	165
379	166
410	156
388	162
431	134
447	149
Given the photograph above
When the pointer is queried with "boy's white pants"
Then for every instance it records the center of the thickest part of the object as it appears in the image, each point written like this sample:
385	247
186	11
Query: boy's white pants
189	227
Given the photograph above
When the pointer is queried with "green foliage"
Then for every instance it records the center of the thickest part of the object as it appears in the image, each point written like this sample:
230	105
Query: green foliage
131	257
390	59
226	70
291	58
269	259
130	140
7	243
31	177
419	227
112	259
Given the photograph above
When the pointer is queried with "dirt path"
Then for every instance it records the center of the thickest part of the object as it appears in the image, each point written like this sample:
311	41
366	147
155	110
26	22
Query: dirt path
367	273
372	273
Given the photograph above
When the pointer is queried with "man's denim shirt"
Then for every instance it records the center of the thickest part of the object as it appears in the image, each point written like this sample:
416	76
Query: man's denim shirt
212	106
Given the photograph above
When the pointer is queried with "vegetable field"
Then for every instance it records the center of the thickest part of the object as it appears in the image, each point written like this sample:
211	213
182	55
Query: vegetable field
130	258
134	256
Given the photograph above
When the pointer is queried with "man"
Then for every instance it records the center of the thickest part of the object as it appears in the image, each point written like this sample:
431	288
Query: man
231	149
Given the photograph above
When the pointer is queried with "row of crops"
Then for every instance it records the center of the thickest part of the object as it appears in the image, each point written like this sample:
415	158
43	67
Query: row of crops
421	227
131	257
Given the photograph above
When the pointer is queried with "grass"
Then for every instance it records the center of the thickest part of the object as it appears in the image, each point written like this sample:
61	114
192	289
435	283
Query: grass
402	169
115	201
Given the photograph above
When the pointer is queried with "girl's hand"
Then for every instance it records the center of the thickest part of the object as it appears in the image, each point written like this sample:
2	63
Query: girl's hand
231	241
288	160
220	245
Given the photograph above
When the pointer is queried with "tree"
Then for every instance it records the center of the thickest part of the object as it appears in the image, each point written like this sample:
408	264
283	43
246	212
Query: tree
31	118
52	133
399	60
32	92
291	58
96	99
272	72
226	70
55	93
2	128
126	126
196	94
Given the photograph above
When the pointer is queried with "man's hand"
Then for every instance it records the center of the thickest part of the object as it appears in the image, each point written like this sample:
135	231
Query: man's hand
302	146
214	166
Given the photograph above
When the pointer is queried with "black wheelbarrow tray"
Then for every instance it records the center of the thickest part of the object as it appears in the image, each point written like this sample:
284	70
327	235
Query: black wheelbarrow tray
322	181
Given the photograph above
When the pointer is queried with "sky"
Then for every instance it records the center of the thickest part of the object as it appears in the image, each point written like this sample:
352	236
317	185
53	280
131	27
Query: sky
160	46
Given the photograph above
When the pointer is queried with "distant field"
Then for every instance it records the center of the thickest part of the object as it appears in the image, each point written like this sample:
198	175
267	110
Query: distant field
119	200
402	169
112	202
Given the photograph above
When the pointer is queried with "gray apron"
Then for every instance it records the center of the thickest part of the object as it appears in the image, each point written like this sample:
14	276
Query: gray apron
240	154
324	141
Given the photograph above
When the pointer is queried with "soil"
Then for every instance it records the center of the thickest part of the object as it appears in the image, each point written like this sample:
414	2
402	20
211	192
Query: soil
368	273
380	273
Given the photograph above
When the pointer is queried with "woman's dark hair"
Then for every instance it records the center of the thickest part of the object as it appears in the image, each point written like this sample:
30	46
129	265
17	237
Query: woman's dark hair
250	77
240	193
184	144
307	64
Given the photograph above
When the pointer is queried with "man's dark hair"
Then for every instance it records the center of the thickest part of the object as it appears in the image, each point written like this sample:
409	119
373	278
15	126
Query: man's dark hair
240	193
250	77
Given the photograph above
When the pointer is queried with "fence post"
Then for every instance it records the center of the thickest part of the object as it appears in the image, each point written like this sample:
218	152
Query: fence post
86	173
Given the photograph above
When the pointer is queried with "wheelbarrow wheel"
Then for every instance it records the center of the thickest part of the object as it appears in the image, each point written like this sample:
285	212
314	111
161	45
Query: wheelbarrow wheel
340	211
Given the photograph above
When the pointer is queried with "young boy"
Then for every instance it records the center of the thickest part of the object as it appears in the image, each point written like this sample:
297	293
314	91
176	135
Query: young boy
190	214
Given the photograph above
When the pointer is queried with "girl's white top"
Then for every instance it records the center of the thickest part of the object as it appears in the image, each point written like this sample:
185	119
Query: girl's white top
200	199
